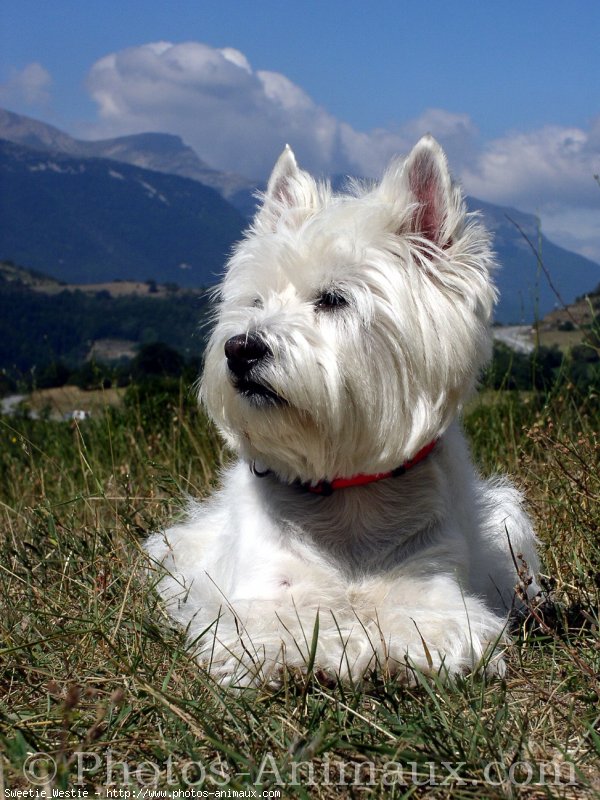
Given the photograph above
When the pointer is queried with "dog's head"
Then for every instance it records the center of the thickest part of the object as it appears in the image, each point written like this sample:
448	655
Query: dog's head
351	327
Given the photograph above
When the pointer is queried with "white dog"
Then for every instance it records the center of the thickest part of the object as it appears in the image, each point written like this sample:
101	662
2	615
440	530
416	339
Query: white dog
353	532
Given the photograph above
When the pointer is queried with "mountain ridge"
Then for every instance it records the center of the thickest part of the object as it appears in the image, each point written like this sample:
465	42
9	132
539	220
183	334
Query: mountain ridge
86	220
525	293
161	152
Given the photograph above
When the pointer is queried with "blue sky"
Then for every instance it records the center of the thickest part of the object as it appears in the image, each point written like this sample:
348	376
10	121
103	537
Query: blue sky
511	89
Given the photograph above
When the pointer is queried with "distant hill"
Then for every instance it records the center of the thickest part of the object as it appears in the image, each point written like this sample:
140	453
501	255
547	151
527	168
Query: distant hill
85	220
42	320
161	152
68	210
584	312
566	328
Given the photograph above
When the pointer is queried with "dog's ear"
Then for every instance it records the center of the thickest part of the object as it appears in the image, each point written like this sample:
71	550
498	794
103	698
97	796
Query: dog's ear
430	184
285	174
425	180
289	187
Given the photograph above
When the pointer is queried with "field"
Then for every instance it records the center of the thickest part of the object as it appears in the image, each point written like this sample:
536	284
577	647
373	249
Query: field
60	401
98	692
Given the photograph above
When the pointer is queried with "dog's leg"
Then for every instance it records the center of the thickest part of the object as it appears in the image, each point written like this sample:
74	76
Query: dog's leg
427	623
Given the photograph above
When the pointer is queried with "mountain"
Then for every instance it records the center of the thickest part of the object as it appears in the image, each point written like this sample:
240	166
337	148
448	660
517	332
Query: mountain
96	219
161	152
525	291
33	133
89	219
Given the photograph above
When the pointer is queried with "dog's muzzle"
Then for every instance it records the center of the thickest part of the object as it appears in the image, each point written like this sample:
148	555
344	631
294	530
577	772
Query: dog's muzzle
245	354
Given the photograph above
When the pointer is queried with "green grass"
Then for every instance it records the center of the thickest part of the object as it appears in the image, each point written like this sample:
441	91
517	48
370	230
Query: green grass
92	675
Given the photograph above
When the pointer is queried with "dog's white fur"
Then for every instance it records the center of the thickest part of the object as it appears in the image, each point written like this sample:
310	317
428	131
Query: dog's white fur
415	570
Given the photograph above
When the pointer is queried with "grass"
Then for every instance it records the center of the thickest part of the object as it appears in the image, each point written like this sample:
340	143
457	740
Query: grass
92	677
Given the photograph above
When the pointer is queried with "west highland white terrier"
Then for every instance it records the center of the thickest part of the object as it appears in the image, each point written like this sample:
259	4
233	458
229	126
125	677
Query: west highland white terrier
353	532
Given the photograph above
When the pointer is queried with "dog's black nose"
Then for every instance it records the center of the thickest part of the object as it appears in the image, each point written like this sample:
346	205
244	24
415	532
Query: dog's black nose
244	351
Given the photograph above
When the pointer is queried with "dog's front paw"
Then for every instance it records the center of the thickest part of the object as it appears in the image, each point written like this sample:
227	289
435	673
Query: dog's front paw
493	665
463	637
238	665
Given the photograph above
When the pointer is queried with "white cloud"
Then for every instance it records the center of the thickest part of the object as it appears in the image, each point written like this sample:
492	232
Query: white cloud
29	86
239	119
541	167
236	118
576	228
550	171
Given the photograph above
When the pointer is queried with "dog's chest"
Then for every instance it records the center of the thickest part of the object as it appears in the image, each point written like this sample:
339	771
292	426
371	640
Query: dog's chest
357	532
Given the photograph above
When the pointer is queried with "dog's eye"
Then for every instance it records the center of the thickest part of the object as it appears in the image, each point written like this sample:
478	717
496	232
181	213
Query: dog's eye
330	301
257	302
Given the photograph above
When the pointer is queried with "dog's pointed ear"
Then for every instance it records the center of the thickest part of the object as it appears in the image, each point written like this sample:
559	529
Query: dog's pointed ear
425	180
429	182
289	187
285	172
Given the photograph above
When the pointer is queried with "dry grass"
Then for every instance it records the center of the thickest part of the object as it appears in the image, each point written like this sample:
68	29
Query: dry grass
89	667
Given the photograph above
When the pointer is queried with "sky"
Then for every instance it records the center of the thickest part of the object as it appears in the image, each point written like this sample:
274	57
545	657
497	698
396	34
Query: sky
511	90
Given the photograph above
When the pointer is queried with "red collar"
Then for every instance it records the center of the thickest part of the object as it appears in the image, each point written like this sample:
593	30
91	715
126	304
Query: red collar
326	488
